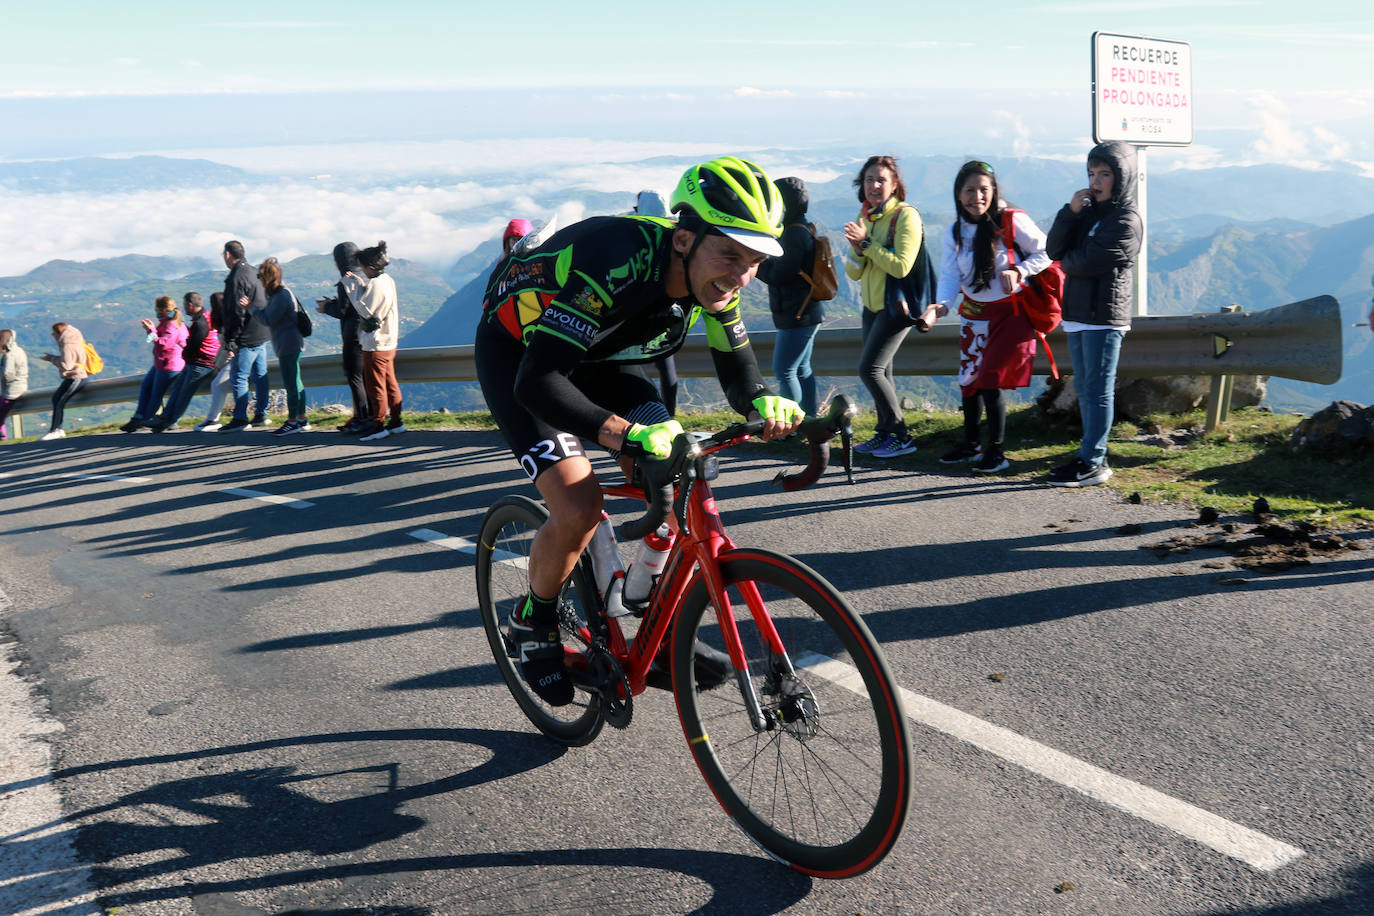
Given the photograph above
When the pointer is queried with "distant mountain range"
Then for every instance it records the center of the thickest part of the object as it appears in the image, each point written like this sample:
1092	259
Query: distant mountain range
113	294
135	173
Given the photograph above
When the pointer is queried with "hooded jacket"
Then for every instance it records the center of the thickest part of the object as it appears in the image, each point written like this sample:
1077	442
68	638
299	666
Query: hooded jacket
14	370
1097	247
71	361
341	306
788	292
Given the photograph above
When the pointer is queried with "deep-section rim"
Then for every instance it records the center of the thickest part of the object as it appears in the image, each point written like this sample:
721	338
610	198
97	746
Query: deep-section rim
878	836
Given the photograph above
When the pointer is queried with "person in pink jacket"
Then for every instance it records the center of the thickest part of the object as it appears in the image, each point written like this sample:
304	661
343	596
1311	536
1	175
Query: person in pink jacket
168	337
71	366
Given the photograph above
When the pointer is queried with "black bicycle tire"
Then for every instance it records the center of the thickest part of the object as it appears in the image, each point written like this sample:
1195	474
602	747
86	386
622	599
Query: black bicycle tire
516	509
891	802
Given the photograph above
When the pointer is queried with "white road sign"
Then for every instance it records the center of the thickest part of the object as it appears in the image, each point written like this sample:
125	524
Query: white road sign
1142	90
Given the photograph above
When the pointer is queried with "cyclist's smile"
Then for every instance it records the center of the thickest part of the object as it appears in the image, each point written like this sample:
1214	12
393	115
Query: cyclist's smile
720	268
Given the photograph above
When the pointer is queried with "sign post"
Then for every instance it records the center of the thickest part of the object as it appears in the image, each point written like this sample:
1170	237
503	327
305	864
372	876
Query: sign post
1143	95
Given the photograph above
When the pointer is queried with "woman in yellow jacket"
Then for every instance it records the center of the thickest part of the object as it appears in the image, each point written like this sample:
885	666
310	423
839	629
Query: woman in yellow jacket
883	243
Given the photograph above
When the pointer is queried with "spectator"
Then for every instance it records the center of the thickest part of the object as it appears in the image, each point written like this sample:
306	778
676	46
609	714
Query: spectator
221	383
198	354
280	315
796	315
379	328
168	337
343	308
14	376
984	270
884	241
1096	237
516	230
650	203
246	337
71	366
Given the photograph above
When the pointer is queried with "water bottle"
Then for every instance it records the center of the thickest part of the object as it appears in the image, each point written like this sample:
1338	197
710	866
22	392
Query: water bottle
653	554
606	565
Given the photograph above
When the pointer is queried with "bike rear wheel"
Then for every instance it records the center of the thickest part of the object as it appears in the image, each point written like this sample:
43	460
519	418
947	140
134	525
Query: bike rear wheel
826	787
503	551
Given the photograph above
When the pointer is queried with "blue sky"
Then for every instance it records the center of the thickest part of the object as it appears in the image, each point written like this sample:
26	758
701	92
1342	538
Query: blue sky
423	112
1273	81
305	45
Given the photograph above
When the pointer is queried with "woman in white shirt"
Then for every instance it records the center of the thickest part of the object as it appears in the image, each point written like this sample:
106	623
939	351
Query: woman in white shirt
989	253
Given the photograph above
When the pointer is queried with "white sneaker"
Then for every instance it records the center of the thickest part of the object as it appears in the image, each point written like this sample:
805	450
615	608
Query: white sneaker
379	434
303	426
55	434
209	426
397	429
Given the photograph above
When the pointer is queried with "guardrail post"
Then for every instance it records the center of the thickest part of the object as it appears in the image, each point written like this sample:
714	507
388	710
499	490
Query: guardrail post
1219	399
17	425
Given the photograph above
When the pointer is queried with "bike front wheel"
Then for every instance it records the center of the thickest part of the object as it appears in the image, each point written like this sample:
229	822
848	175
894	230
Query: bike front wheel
503	551
825	783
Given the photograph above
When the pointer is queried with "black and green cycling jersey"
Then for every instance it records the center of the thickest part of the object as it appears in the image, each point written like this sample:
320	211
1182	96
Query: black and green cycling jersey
598	285
594	294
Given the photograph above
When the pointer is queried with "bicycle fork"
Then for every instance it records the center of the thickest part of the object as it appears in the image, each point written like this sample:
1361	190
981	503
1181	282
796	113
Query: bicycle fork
780	663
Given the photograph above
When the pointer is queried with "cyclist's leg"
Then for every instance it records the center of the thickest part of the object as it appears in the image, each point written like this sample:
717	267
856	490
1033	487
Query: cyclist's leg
556	464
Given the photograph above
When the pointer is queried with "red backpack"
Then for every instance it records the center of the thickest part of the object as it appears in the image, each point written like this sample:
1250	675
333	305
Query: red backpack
1040	297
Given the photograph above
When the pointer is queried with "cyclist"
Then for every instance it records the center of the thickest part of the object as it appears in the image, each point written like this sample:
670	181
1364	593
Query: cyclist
565	332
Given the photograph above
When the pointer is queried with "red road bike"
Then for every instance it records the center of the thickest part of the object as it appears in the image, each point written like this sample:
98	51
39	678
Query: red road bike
807	748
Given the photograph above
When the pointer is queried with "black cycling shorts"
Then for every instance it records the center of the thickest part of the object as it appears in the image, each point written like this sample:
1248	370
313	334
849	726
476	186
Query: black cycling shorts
624	389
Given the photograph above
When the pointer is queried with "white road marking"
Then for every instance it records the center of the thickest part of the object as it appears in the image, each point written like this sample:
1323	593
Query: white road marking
75	476
1249	846
463	545
105	477
267	497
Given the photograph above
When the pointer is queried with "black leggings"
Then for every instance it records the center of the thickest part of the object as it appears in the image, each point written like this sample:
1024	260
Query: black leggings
997	417
60	397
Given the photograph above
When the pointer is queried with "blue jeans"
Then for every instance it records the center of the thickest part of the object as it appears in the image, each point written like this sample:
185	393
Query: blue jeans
792	365
250	363
183	389
155	383
1095	355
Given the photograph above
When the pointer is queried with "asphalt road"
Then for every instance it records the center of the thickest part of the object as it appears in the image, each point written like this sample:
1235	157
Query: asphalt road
289	706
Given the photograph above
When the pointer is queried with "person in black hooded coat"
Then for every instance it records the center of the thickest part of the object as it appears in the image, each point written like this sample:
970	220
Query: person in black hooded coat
341	307
1095	238
796	314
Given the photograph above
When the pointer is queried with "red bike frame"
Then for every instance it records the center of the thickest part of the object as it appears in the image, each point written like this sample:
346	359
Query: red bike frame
693	555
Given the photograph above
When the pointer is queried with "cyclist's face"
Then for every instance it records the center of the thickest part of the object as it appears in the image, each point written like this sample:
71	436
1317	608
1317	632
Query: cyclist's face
720	268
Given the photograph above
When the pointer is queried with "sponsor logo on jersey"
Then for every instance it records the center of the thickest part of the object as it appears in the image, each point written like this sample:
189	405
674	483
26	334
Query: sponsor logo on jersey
572	326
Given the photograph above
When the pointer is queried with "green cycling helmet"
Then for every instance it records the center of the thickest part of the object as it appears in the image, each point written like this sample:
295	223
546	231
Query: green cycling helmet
735	198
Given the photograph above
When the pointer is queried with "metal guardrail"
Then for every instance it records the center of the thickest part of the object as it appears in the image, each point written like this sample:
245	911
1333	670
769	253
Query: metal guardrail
1300	341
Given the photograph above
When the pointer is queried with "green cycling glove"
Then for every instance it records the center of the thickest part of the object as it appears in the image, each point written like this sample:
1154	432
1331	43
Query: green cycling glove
772	407
655	440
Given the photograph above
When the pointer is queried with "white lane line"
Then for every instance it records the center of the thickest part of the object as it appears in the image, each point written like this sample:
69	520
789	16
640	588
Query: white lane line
75	476
463	545
1249	846
266	497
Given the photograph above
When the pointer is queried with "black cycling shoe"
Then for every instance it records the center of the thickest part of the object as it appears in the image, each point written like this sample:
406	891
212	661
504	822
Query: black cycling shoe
541	660
712	668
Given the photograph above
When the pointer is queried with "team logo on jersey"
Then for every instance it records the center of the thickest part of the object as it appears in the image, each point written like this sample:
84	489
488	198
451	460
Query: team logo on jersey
588	303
